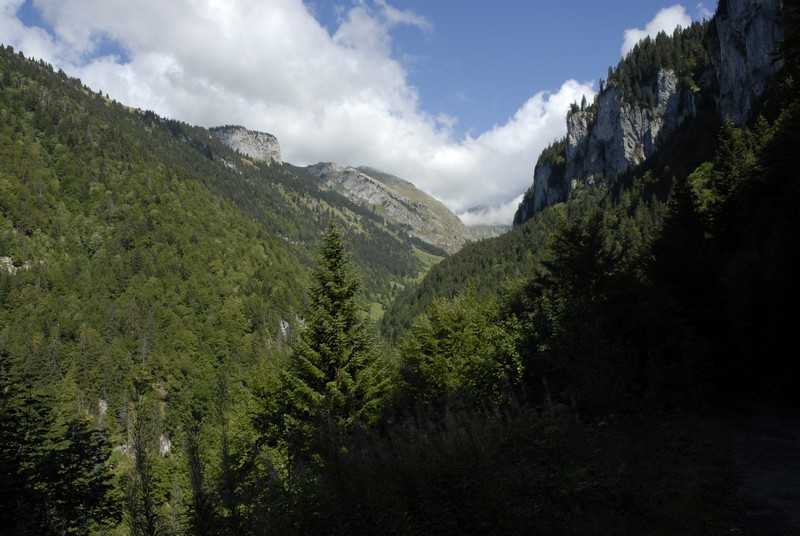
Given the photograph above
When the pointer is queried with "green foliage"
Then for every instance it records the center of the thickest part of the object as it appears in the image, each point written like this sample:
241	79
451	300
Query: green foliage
141	255
725	257
570	311
683	52
554	155
459	350
148	267
145	493
523	472
127	266
487	265
327	386
56	477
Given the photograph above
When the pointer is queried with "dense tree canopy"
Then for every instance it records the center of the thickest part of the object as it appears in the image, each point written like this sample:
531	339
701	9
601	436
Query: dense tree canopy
163	371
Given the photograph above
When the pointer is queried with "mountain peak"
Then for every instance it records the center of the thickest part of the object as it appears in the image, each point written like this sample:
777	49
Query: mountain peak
260	146
397	200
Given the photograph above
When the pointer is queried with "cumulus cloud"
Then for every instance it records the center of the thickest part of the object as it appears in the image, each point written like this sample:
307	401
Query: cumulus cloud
666	20
496	215
336	95
34	41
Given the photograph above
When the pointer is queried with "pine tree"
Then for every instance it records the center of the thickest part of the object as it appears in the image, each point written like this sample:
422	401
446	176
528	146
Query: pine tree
568	301
459	352
54	478
327	383
142	499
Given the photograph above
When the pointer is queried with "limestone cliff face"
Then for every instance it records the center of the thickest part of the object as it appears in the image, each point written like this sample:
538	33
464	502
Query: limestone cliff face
549	187
259	146
615	135
617	132
743	44
607	139
396	200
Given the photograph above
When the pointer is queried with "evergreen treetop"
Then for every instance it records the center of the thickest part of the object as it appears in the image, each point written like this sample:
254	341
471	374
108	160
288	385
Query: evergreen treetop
327	381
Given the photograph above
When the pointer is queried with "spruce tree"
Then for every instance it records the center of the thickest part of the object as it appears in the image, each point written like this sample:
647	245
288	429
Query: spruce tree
327	385
54	478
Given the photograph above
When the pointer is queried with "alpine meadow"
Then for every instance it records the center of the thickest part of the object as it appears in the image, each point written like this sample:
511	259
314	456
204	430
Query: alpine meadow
198	337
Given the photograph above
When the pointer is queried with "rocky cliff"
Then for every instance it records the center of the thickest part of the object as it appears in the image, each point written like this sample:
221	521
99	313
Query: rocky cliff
635	113
549	182
397	200
393	198
259	146
617	133
742	44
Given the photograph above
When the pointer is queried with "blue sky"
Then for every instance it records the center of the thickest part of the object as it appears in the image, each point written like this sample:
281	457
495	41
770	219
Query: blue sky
459	97
482	59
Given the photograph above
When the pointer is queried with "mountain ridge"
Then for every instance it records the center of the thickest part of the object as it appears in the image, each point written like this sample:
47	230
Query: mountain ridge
606	166
398	200
723	64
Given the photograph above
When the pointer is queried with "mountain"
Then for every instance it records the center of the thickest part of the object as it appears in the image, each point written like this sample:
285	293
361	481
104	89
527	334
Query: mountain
482	231
118	211
657	117
142	238
431	225
259	146
129	253
724	65
396	200
182	354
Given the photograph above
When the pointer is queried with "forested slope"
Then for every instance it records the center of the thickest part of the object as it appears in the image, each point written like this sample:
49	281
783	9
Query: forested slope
594	371
145	266
654	120
119	256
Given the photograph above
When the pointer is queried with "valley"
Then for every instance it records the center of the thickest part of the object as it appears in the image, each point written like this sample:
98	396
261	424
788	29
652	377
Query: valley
198	336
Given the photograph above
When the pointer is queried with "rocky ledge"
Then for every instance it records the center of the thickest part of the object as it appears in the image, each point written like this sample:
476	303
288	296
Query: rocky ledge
617	132
259	146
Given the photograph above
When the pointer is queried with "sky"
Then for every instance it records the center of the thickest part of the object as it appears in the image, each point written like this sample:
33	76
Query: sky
457	96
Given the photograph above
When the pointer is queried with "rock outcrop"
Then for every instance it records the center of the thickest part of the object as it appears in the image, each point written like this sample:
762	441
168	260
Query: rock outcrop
259	146
619	132
607	139
743	46
549	183
7	265
396	200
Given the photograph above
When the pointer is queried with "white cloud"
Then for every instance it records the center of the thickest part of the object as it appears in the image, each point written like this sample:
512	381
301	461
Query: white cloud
704	12
34	41
339	96
397	16
665	20
500	214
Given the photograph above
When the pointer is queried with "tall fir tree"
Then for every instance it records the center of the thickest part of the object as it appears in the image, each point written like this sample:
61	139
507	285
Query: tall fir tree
54	477
328	382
